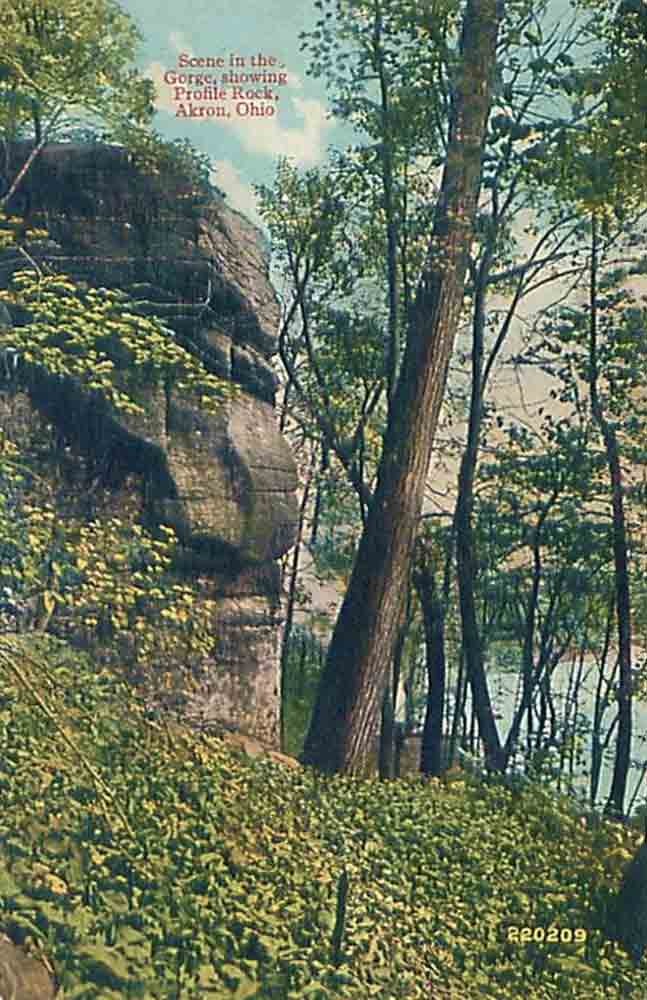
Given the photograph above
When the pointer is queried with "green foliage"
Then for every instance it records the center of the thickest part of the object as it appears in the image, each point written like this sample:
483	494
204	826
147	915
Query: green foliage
98	337
225	879
105	584
152	153
326	249
301	666
68	70
68	62
628	916
617	360
365	49
12	228
602	166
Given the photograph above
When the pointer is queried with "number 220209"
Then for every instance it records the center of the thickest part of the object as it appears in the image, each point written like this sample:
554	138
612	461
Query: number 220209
551	935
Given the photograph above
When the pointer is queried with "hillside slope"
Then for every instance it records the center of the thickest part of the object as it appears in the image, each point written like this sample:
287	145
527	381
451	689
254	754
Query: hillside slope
148	861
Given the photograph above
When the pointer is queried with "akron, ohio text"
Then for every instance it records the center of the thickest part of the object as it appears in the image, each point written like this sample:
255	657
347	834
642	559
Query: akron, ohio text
243	109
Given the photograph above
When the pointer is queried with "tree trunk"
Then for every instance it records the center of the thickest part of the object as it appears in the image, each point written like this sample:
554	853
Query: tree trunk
386	748
318	504
433	614
529	672
291	604
349	697
465	545
460	697
39	145
615	803
600	708
388	751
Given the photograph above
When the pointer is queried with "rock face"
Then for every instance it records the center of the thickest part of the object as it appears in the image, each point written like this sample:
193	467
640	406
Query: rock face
225	481
21	976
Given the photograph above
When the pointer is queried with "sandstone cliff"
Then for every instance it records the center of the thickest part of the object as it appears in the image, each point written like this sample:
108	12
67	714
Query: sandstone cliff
225	481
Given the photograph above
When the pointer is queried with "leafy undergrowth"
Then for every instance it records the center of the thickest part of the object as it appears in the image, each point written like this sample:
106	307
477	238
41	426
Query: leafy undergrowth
149	862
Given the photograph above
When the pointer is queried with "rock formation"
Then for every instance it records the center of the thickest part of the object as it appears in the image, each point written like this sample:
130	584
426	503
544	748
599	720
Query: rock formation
21	976
225	481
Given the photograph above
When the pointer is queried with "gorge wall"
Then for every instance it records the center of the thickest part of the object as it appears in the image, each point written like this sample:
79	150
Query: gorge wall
226	480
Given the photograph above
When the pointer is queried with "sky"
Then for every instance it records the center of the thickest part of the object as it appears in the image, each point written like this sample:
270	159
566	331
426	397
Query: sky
179	40
244	137
244	126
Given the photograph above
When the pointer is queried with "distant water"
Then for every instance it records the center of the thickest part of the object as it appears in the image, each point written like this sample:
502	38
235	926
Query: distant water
503	692
503	689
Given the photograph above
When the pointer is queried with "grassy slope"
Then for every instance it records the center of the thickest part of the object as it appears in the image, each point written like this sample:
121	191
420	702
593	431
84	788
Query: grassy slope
226	884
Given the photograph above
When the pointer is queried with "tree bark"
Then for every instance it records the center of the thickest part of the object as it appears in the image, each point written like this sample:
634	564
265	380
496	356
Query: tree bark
351	689
465	545
386	156
530	672
433	614
615	803
291	603
388	749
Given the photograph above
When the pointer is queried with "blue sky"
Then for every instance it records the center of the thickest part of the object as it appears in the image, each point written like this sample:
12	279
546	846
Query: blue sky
244	149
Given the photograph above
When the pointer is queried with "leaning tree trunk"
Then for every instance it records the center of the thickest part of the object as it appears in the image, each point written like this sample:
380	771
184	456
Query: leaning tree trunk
615	803
351	688
465	542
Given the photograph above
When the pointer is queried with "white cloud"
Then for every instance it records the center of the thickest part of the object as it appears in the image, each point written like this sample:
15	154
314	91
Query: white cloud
240	195
296	81
267	136
164	94
304	144
179	42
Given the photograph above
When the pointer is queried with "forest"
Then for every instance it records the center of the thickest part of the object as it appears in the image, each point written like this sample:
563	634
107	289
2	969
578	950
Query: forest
456	805
518	554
